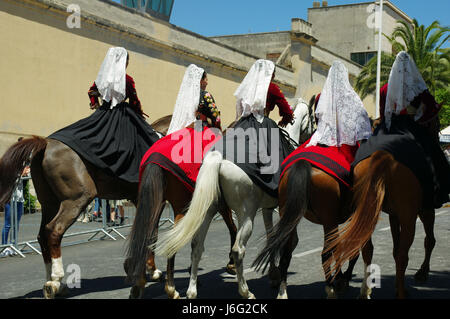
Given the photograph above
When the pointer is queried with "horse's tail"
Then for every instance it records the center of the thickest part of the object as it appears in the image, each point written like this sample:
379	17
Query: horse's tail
297	202
14	161
368	199
206	193
144	230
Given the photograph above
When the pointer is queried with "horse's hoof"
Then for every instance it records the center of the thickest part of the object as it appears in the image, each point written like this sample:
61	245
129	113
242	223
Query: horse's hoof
172	293
49	290
364	297
136	293
231	269
282	296
53	288
331	293
251	296
421	276
341	285
191	294
157	275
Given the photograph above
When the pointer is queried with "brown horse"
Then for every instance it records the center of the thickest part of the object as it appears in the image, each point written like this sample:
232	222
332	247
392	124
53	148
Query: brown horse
159	186
65	184
310	192
384	184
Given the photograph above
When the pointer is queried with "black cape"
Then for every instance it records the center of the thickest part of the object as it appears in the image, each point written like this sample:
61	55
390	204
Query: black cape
257	150
114	140
411	145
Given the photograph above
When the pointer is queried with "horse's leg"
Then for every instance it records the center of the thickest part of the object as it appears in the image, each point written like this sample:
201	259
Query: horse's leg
245	230
227	216
395	232
407	232
49	211
154	273
50	206
367	253
330	286
274	272
54	231
347	275
170	289
285	260
197	248
427	218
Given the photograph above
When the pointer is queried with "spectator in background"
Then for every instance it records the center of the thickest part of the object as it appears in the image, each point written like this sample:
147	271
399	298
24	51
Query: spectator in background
19	199
116	207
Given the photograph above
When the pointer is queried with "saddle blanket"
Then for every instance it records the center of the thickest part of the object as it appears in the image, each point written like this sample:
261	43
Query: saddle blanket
334	160
181	153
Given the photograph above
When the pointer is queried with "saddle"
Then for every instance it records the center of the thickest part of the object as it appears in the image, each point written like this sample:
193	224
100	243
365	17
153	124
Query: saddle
336	161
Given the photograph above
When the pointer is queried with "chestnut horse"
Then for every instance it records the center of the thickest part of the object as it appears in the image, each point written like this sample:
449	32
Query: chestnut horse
65	184
384	184
306	191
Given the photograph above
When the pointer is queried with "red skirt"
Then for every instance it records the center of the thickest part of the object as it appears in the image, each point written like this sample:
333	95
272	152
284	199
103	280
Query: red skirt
181	153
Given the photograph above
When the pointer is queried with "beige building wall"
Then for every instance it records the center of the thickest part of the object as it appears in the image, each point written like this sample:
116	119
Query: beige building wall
346	29
47	68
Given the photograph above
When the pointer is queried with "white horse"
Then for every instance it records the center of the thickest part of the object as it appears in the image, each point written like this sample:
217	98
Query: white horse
220	180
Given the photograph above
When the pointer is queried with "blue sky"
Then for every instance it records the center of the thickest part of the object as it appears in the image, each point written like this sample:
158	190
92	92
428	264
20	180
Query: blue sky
219	17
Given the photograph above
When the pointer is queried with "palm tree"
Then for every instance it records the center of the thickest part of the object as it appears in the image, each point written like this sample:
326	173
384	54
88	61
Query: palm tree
424	45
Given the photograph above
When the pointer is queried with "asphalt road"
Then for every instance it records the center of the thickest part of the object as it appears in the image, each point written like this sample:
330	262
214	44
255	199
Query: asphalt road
102	274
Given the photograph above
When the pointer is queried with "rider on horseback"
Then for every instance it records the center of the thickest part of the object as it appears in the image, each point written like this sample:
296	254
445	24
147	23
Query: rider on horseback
262	143
409	111
116	136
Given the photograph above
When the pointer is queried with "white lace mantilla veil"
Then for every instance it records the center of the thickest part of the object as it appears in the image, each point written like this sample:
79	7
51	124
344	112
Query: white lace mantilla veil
251	94
111	77
405	83
341	116
187	100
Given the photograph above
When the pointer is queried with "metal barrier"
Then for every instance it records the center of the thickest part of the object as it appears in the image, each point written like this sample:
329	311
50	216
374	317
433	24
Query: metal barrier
105	231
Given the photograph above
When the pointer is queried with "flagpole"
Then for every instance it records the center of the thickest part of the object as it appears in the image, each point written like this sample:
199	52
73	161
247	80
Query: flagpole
380	34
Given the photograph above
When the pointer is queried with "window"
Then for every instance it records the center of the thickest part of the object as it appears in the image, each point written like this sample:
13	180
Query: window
362	57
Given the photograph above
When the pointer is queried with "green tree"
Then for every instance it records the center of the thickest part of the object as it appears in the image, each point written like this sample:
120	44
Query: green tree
424	45
443	96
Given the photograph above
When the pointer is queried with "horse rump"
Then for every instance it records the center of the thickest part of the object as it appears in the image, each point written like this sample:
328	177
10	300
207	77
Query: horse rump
14	161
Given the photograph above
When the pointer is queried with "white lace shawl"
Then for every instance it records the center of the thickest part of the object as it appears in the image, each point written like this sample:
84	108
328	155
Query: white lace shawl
341	116
187	100
251	94
111	77
405	83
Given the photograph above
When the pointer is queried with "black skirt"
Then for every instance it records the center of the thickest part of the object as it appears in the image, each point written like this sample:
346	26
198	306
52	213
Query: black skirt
258	149
113	140
411	145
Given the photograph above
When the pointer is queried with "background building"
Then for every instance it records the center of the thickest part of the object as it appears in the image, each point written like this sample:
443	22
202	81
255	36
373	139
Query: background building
348	30
158	8
53	56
